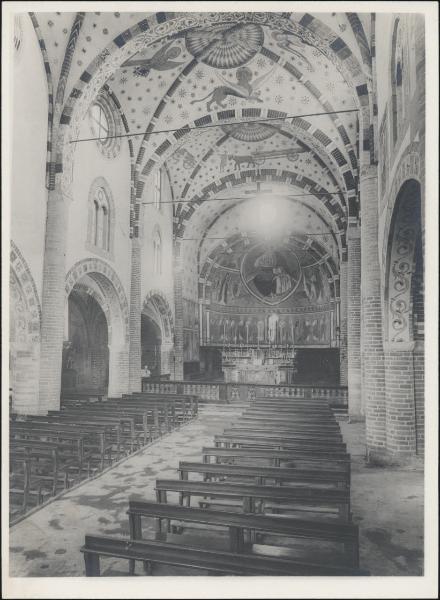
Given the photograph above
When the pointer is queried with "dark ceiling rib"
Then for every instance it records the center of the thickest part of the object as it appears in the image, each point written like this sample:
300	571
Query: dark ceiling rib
211	125
245	198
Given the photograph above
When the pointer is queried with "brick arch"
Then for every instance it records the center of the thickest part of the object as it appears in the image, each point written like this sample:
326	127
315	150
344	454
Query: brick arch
342	251
316	139
404	234
161	304
23	277
159	25
115	303
264	175
50	93
409	167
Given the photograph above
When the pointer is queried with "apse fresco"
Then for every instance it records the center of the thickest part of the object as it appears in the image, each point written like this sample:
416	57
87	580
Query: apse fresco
266	327
269	279
269	273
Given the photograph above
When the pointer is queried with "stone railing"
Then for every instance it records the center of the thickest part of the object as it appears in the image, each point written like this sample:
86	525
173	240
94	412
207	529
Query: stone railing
230	392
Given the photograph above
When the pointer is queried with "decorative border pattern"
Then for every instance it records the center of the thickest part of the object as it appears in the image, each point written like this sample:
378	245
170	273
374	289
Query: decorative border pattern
160	302
23	275
110	283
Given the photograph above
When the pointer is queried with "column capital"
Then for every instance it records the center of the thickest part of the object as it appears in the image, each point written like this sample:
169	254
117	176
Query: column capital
353	233
368	172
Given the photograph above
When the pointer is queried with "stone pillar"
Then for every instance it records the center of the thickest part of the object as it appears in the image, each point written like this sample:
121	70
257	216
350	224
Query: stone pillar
52	302
119	367
343	358
134	368
373	374
354	322
400	405
177	367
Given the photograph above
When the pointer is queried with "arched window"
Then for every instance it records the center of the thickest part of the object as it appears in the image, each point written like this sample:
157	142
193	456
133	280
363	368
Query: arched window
105	124
101	218
157	189
157	253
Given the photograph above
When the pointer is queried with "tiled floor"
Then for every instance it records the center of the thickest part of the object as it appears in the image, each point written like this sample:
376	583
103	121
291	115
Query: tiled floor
386	503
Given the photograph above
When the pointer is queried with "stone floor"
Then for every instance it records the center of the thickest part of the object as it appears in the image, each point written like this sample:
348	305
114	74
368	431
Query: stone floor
387	503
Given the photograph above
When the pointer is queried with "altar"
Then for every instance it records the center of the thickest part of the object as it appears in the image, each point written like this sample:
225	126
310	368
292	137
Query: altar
269	366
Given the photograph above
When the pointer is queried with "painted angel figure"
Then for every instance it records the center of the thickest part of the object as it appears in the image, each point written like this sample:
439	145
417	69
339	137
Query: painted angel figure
160	61
288	43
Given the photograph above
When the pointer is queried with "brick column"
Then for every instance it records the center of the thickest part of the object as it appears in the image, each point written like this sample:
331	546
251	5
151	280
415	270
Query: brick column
52	302
400	405
354	322
372	358
177	367
343	369
419	395
134	363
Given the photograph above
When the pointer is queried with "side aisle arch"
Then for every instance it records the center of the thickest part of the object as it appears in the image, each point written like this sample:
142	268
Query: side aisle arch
24	335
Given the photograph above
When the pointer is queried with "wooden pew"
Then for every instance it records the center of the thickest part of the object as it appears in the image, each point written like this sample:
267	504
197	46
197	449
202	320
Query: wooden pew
228	440
260	475
103	436
275	457
346	534
254	498
127	435
71	441
324	427
214	562
283	431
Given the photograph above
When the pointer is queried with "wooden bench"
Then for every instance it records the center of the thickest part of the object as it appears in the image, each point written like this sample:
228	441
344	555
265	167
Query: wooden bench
283	431
260	475
346	534
324	426
254	498
151	552
299	410
102	436
286	442
275	457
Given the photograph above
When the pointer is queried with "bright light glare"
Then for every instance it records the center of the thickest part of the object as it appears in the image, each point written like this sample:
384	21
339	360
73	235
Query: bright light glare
269	215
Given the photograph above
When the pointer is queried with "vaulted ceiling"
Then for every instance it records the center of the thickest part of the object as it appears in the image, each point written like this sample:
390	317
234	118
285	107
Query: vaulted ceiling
209	101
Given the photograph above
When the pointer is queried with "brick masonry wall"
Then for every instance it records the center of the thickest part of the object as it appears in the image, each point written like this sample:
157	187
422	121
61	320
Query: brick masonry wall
134	366
354	321
343	352
419	396
373	389
178	316
400	408
53	299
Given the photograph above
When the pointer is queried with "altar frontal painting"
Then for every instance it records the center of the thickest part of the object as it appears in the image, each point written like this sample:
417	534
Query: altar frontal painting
271	274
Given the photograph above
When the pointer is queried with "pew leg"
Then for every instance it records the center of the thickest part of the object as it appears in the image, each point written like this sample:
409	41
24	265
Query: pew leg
352	552
148	567
91	564
135	534
344	512
236	539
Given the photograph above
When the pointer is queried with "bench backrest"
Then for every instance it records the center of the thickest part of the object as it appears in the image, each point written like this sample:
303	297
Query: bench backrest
276	473
327	530
211	560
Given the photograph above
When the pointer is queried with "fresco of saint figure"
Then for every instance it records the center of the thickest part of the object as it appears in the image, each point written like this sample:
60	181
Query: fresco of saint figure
270	274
